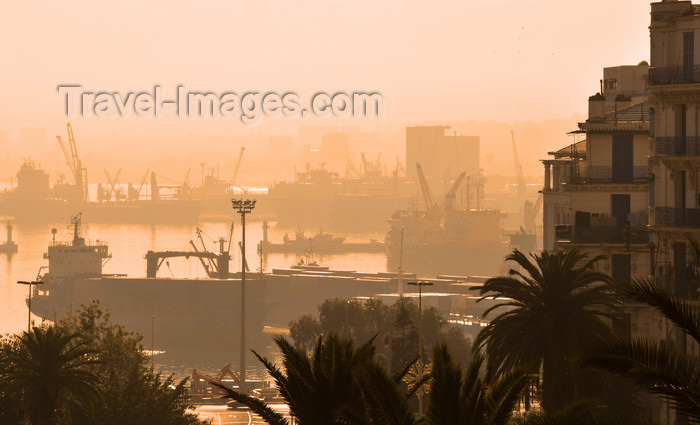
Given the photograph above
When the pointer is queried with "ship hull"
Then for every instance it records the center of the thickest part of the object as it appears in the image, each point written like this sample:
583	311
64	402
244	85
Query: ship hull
450	258
183	316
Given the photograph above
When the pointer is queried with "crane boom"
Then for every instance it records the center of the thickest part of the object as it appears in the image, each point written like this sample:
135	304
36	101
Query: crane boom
365	163
238	166
427	196
143	181
206	267
112	184
352	166
518	167
451	193
70	152
66	154
230	238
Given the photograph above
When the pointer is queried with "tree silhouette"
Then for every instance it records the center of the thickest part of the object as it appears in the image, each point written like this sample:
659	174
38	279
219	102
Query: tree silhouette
49	367
555	306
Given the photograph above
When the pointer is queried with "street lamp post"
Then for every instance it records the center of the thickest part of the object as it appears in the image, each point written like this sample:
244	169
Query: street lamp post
153	321
29	303
243	207
420	284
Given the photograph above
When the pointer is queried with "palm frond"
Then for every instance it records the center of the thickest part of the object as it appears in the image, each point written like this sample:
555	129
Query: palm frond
268	414
680	312
504	395
387	405
653	367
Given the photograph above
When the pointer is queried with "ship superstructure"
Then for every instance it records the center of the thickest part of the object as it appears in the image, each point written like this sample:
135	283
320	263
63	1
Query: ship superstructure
77	258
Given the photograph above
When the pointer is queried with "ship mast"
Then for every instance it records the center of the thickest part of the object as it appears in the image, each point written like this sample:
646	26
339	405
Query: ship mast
75	222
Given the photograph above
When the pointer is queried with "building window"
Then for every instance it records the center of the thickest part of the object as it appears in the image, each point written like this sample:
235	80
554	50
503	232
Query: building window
611	84
621	272
688	47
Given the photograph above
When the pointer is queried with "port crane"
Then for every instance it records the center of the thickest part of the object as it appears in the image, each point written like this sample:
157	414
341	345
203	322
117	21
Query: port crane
372	169
76	167
137	193
518	167
427	195
238	167
351	166
113	185
433	209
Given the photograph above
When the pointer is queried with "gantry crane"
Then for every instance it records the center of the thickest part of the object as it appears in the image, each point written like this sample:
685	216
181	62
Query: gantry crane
71	154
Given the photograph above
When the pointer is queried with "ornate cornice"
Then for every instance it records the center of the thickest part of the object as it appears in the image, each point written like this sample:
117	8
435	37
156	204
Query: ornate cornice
689	163
613	127
674	94
608	187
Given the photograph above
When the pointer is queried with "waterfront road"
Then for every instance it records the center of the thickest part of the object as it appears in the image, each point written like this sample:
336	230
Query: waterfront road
222	415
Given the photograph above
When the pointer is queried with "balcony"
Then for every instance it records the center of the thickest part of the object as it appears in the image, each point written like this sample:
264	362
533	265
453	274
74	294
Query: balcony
677	217
677	146
596	174
674	75
562	232
602	234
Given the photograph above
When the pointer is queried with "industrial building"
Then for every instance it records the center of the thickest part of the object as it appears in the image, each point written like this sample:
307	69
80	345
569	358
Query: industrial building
443	156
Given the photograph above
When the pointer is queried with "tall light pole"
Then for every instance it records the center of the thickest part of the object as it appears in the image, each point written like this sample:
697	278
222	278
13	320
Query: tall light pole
153	321
420	284
29	303
243	207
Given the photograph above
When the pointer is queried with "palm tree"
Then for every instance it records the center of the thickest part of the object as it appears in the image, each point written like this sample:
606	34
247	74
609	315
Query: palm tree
584	412
338	384
50	369
467	400
656	367
557	304
320	389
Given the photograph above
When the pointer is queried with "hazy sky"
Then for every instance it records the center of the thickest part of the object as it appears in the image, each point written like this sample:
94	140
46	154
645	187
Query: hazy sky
508	60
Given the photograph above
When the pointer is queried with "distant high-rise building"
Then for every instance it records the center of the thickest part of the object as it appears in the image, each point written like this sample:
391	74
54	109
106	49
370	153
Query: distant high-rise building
441	155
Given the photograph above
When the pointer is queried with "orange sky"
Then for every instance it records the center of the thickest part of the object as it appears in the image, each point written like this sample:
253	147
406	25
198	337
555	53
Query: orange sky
503	60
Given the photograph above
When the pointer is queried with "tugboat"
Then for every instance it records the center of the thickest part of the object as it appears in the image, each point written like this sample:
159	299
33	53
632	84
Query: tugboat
323	243
9	246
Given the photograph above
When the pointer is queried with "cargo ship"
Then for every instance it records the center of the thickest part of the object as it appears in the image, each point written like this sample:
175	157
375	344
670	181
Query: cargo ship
321	197
197	320
34	199
446	238
185	316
